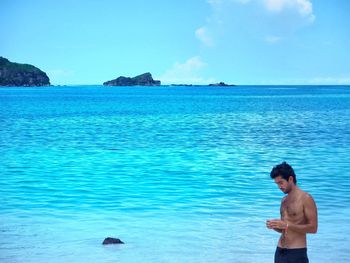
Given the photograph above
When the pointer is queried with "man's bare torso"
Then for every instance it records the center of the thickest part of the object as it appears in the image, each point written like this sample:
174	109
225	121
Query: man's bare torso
292	211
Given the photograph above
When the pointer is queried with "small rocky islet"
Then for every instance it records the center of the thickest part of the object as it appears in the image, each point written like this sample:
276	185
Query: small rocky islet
221	84
140	80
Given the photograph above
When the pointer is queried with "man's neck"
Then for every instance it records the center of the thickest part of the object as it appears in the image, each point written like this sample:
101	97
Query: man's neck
293	190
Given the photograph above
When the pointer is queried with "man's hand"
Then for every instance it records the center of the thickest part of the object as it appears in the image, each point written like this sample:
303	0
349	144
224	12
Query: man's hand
276	224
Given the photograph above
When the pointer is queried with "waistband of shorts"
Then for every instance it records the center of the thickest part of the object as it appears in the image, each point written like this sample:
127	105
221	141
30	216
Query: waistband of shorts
304	249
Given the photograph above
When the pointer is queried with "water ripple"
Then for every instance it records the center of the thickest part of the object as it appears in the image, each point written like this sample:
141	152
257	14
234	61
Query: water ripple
168	170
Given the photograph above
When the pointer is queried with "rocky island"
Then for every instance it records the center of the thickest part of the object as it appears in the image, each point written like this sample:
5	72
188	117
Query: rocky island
15	74
140	80
221	84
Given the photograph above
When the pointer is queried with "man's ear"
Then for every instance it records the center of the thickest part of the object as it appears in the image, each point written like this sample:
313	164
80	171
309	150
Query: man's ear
290	179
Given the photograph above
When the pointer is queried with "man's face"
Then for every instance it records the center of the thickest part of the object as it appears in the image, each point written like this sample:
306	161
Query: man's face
283	184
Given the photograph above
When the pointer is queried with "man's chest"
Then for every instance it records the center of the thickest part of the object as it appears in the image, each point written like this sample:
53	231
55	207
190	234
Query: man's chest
292	209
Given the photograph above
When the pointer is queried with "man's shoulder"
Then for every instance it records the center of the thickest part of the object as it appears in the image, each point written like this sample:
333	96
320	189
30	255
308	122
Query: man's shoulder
305	194
302	193
306	197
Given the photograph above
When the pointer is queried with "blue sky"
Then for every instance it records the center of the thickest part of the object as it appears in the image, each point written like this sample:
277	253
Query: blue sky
194	41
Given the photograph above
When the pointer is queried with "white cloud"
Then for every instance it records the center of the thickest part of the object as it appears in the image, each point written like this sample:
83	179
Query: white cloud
289	15
204	36
303	7
188	72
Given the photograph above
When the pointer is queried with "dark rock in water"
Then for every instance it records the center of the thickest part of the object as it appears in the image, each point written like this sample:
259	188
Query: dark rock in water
112	240
221	84
15	74
140	80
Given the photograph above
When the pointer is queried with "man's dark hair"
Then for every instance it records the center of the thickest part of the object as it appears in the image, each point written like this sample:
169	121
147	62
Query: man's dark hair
284	170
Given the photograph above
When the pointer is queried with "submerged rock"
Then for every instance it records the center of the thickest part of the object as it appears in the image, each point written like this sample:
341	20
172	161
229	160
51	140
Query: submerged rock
140	80
112	240
15	74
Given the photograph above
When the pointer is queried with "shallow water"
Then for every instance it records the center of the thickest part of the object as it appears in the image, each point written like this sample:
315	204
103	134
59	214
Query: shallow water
180	174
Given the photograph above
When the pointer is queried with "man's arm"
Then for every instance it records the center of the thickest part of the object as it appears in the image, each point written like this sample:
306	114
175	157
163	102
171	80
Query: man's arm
310	211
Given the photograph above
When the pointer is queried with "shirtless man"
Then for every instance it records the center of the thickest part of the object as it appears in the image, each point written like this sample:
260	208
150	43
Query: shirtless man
298	217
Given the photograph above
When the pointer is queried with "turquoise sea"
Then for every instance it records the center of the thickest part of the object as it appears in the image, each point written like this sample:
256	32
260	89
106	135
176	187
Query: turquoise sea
180	174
